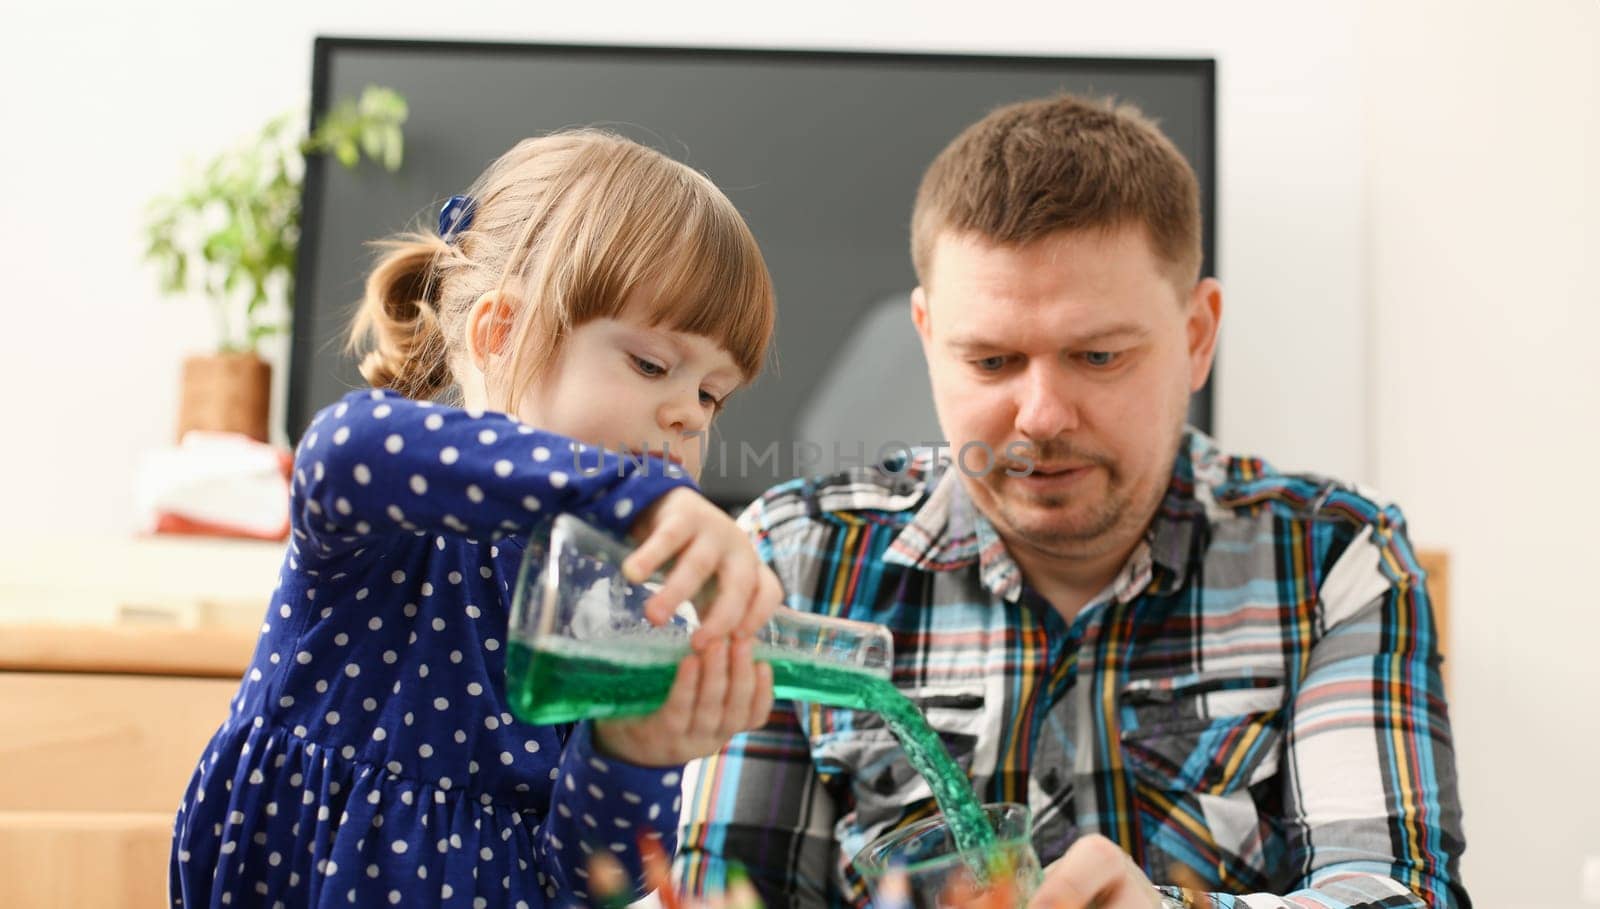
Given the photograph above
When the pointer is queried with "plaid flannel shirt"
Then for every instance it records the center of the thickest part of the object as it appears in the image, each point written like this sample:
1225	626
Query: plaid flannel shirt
1254	703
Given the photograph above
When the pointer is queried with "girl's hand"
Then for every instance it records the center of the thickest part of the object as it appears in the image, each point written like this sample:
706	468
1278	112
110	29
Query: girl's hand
703	544
718	692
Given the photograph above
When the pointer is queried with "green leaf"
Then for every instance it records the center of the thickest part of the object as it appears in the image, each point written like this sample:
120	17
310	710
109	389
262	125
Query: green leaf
246	265
262	330
394	149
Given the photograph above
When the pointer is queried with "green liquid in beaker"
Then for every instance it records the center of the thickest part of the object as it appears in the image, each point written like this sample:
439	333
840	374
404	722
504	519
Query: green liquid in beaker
574	680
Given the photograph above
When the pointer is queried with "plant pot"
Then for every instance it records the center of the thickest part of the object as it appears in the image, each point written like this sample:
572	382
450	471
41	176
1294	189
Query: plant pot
226	392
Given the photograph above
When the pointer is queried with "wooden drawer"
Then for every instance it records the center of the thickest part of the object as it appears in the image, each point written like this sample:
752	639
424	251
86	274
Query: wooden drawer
101	742
100	728
71	860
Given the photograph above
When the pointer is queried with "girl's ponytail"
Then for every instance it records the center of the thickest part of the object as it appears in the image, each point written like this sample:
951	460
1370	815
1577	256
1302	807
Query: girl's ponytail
397	328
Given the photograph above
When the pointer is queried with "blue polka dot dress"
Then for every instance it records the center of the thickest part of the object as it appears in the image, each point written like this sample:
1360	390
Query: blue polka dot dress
369	757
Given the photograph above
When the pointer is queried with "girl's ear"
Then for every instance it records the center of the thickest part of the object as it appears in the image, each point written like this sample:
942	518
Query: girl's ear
488	327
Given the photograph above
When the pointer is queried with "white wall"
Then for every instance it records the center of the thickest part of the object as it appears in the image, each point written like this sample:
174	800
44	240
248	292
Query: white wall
1483	157
1400	308
110	102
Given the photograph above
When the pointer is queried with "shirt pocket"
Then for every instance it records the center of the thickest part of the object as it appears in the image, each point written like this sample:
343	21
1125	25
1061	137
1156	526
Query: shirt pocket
1210	733
858	750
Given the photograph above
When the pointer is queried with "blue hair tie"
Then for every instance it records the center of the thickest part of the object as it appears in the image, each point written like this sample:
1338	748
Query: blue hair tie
455	216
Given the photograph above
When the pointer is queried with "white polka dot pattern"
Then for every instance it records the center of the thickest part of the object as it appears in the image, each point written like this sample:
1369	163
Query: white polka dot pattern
376	760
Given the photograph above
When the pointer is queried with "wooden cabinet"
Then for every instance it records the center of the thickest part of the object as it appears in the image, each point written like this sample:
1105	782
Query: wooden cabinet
99	730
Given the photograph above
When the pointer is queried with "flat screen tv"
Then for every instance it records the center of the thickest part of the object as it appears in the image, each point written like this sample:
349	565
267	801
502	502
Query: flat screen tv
822	152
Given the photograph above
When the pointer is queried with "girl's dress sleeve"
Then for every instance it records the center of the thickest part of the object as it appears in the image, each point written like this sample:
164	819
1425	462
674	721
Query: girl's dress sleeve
378	463
602	803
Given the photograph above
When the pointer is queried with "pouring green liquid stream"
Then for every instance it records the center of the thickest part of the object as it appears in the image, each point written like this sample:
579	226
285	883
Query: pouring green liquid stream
566	681
580	648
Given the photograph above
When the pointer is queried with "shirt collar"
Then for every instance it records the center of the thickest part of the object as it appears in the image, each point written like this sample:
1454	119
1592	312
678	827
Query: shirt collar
939	537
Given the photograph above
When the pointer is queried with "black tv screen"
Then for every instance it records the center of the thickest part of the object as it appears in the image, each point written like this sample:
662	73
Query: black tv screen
822	152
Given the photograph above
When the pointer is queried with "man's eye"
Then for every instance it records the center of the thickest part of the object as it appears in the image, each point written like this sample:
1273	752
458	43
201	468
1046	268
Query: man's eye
1100	357
990	364
647	367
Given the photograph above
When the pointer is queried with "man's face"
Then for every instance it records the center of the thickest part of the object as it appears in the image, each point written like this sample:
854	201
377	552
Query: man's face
1077	353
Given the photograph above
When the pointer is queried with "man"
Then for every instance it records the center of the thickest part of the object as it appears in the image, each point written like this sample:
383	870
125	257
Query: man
1195	670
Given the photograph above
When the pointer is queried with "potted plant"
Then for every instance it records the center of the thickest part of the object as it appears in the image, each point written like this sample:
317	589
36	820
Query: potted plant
231	234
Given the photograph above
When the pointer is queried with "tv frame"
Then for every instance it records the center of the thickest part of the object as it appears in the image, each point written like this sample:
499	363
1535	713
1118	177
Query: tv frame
298	409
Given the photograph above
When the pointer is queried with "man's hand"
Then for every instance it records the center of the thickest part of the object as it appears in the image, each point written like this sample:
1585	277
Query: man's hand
1095	874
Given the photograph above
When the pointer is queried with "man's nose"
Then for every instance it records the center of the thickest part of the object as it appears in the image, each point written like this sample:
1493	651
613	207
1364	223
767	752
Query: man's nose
1045	405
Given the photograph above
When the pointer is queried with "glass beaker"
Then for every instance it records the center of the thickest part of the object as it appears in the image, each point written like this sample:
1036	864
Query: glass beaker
580	647
921	866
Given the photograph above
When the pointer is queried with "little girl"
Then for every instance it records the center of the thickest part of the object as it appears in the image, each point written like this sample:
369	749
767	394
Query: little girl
612	298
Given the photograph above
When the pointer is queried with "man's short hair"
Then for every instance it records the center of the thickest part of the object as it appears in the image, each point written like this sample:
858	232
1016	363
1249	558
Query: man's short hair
1035	168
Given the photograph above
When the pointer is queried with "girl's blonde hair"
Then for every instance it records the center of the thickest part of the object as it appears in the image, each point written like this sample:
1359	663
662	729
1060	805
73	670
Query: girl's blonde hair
568	226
